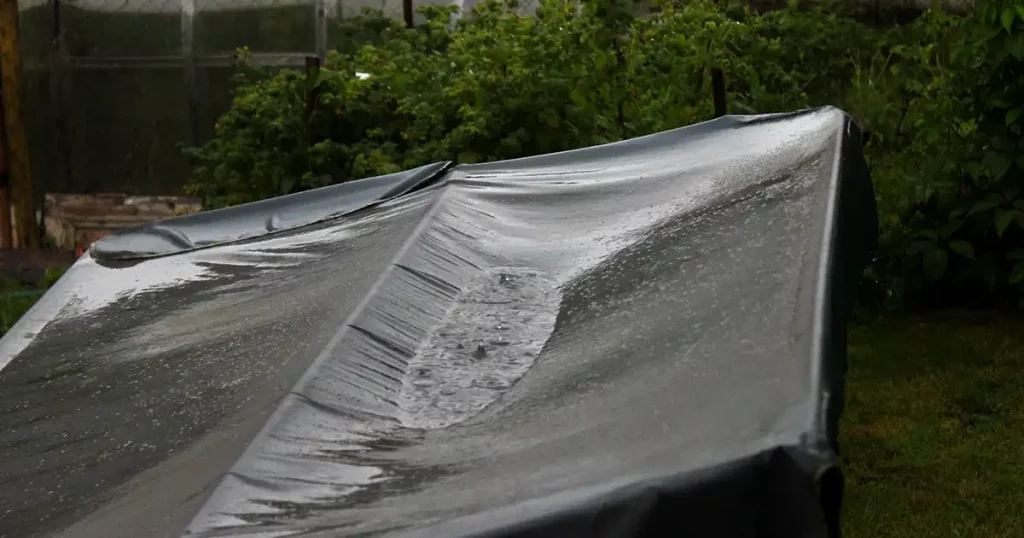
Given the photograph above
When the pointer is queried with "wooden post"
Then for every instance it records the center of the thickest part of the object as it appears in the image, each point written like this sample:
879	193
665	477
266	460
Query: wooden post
407	13
60	180
5	189
718	92
5	218
312	89
12	87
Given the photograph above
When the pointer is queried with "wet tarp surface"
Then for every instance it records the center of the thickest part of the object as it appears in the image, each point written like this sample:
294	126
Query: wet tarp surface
643	338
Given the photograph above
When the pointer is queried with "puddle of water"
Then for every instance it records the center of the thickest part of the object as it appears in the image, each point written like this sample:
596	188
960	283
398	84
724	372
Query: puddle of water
490	337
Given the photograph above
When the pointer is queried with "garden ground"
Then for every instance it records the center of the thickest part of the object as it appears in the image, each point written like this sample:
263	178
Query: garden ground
933	437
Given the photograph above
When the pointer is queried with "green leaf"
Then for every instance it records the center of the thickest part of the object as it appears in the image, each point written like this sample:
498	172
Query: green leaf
962	248
1016	46
324	74
951	228
917	247
754	80
469	157
981	206
1017	273
934	264
287	184
1013	115
577	97
997	163
1002	221
1011	191
1007	19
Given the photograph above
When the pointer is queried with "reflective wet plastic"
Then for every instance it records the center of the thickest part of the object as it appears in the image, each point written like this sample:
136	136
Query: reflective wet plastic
636	338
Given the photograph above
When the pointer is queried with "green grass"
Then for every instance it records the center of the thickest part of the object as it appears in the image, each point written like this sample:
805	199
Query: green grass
14	302
933	438
16	297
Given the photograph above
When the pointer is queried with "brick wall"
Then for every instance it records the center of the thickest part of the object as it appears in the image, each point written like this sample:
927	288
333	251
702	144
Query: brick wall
75	221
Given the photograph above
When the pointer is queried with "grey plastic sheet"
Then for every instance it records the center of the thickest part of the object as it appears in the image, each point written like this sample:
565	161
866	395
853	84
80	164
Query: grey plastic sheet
182	234
638	339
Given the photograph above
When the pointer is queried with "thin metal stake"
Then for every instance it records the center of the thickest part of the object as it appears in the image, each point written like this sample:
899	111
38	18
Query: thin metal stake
188	56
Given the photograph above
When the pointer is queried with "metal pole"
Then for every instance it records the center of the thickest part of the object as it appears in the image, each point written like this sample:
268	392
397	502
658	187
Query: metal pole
188	56
320	15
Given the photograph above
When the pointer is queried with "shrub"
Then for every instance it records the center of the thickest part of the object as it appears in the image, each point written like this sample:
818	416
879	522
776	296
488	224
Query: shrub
939	98
496	85
952	177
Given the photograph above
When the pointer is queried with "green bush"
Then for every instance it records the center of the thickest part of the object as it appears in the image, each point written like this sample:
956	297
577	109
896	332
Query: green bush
496	85
949	177
938	97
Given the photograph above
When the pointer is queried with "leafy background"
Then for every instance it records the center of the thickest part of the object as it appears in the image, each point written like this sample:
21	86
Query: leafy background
940	97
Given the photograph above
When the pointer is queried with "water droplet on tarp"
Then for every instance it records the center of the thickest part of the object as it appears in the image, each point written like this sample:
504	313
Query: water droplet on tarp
492	383
508	280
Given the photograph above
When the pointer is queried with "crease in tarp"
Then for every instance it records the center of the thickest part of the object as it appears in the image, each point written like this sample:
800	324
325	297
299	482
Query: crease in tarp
363	368
309	388
249	221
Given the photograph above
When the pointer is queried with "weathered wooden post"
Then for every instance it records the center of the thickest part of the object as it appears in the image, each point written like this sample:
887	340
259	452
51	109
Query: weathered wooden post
407	13
12	88
5	194
718	92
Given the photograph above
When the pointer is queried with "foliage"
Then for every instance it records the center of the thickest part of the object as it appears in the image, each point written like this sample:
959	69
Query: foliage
495	85
938	98
956	211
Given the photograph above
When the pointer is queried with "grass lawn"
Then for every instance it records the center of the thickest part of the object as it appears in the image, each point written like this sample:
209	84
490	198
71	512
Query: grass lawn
14	302
16	297
933	436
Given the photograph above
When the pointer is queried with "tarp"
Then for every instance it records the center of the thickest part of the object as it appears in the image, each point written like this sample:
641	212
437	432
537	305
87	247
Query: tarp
638	339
